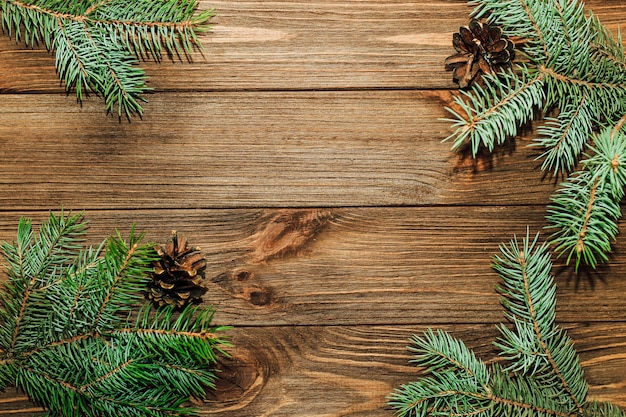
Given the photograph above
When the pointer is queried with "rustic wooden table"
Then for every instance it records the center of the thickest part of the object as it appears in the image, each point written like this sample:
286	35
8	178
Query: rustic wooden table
303	154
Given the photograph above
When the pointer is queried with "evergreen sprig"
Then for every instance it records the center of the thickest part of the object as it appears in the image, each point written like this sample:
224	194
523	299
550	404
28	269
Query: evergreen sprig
72	339
98	43
573	71
542	376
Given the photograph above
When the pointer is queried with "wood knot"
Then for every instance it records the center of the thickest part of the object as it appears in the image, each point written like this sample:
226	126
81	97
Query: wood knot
259	296
246	284
242	275
241	377
287	231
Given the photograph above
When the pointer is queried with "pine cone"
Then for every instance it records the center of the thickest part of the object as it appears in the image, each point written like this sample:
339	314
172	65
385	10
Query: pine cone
178	274
481	48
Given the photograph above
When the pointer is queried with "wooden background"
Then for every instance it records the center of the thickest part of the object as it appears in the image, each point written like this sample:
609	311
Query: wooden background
303	153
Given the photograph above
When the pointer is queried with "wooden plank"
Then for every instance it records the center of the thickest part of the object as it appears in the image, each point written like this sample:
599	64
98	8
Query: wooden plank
293	45
334	371
361	266
253	149
324	299
340	371
300	45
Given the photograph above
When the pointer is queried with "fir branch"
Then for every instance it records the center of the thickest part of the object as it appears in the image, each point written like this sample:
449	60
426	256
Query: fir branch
89	59
586	219
98	43
544	376
442	354
577	70
564	137
585	210
529	298
126	265
173	28
39	259
517	395
488	122
67	340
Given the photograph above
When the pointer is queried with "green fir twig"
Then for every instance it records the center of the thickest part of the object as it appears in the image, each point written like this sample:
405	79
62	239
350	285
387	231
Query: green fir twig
98	43
75	339
574	70
542	375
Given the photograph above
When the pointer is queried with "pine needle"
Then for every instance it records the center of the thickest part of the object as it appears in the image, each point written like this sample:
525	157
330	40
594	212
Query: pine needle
542	376
75	337
98	44
573	68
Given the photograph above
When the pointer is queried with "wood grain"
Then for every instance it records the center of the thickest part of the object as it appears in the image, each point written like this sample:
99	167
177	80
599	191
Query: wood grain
255	149
358	366
365	266
334	371
291	45
303	153
288	45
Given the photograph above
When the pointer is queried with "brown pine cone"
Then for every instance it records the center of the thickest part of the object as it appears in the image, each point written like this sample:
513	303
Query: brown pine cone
178	274
481	49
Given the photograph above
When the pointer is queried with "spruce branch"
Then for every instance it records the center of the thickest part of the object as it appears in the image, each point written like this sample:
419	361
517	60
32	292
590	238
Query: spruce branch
585	210
542	375
72	340
493	112
573	71
98	43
